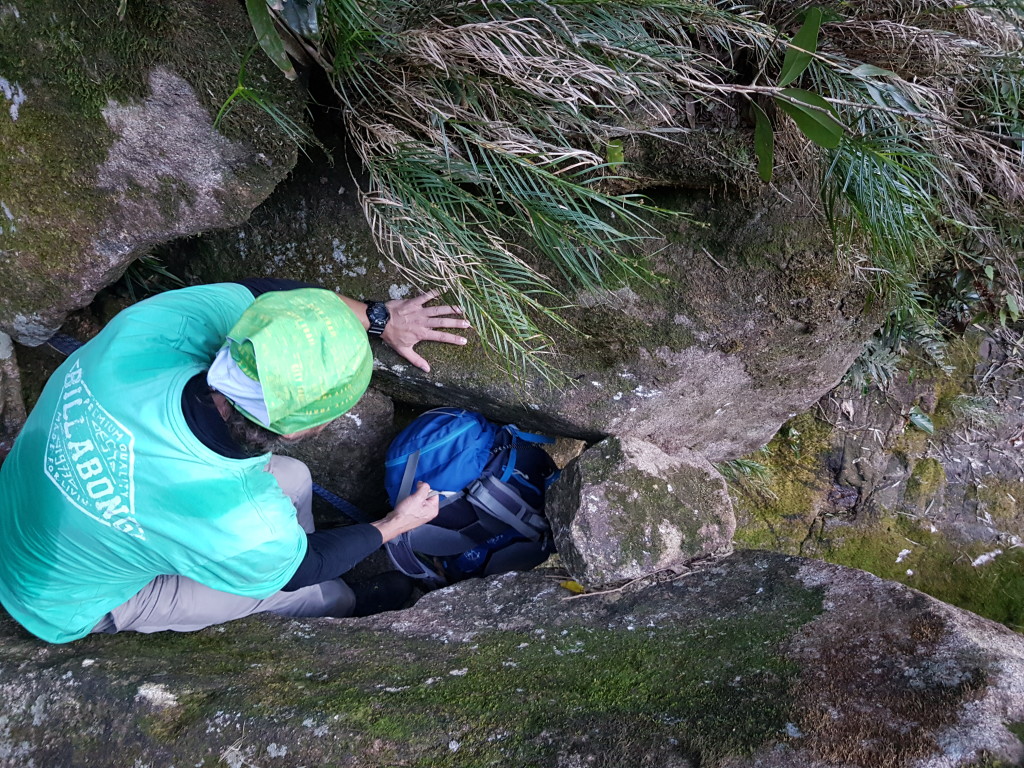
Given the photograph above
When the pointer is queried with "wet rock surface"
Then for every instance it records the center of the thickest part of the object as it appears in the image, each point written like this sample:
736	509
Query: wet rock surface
625	509
761	660
857	483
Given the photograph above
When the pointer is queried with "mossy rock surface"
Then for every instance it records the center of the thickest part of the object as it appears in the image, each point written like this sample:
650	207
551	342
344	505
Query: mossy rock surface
625	509
927	480
109	147
12	407
753	319
763	660
780	513
857	484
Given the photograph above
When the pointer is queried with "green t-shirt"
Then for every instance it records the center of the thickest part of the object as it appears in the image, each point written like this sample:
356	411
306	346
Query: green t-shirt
106	486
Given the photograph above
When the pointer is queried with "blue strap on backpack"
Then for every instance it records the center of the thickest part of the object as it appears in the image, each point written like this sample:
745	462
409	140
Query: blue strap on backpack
490	503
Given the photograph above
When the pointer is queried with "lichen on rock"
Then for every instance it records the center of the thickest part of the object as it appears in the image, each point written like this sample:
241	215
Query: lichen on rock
625	509
112	148
762	660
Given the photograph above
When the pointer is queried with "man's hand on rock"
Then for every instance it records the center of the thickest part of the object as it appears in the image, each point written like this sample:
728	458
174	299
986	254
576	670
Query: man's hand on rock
412	321
412	512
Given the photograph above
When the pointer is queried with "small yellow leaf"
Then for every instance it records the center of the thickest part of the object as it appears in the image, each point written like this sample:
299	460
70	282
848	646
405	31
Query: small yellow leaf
573	586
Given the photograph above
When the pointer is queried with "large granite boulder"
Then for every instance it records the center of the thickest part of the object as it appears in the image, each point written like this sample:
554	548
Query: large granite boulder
763	660
625	509
753	321
109	147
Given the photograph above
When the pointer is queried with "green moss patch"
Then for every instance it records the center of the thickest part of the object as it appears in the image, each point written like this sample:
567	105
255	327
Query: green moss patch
926	481
168	724
779	513
643	696
70	61
1003	501
1017	729
962	358
935	565
782	515
645	502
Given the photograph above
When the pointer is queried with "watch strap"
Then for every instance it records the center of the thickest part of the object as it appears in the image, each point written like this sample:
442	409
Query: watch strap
378	315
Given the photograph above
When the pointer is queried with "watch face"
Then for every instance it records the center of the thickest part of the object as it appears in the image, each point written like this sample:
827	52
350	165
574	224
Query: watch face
377	313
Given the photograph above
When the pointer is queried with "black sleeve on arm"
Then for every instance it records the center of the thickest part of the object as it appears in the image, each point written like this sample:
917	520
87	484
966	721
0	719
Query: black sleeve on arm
261	285
332	553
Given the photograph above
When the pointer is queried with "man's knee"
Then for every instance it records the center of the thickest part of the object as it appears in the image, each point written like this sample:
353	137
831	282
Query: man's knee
339	600
297	484
291	474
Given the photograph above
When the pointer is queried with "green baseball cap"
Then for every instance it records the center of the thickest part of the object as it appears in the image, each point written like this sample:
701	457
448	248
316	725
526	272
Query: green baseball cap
308	351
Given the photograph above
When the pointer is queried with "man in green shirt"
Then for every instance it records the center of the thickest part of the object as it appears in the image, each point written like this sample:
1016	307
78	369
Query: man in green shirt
128	503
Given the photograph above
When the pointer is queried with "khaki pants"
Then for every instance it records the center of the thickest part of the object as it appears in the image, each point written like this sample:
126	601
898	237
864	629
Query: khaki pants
180	604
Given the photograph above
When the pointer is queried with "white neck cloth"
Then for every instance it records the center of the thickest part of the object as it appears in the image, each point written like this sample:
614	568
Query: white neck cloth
227	378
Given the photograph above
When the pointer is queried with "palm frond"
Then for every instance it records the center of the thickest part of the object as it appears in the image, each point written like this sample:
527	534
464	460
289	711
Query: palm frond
749	476
486	131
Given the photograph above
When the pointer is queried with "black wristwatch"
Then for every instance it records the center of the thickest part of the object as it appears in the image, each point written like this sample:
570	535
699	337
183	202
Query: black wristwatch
378	315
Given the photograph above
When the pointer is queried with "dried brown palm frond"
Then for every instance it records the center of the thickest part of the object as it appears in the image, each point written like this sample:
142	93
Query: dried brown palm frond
485	125
941	120
987	21
987	168
909	50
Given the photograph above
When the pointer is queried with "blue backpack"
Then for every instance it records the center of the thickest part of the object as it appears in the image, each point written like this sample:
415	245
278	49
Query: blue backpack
492	480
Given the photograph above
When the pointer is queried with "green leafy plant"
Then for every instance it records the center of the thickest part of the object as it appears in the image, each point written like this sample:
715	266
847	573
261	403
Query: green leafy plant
976	412
920	420
267	36
908	334
734	469
877	365
814	116
748	475
148	275
246	94
489	133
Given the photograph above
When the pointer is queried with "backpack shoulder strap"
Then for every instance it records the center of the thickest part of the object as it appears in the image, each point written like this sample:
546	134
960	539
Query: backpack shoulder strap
405	489
404	558
495	499
509	452
528	437
440	542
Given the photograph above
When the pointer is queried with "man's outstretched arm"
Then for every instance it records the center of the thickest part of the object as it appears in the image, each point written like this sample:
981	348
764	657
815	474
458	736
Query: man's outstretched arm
329	554
411	320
